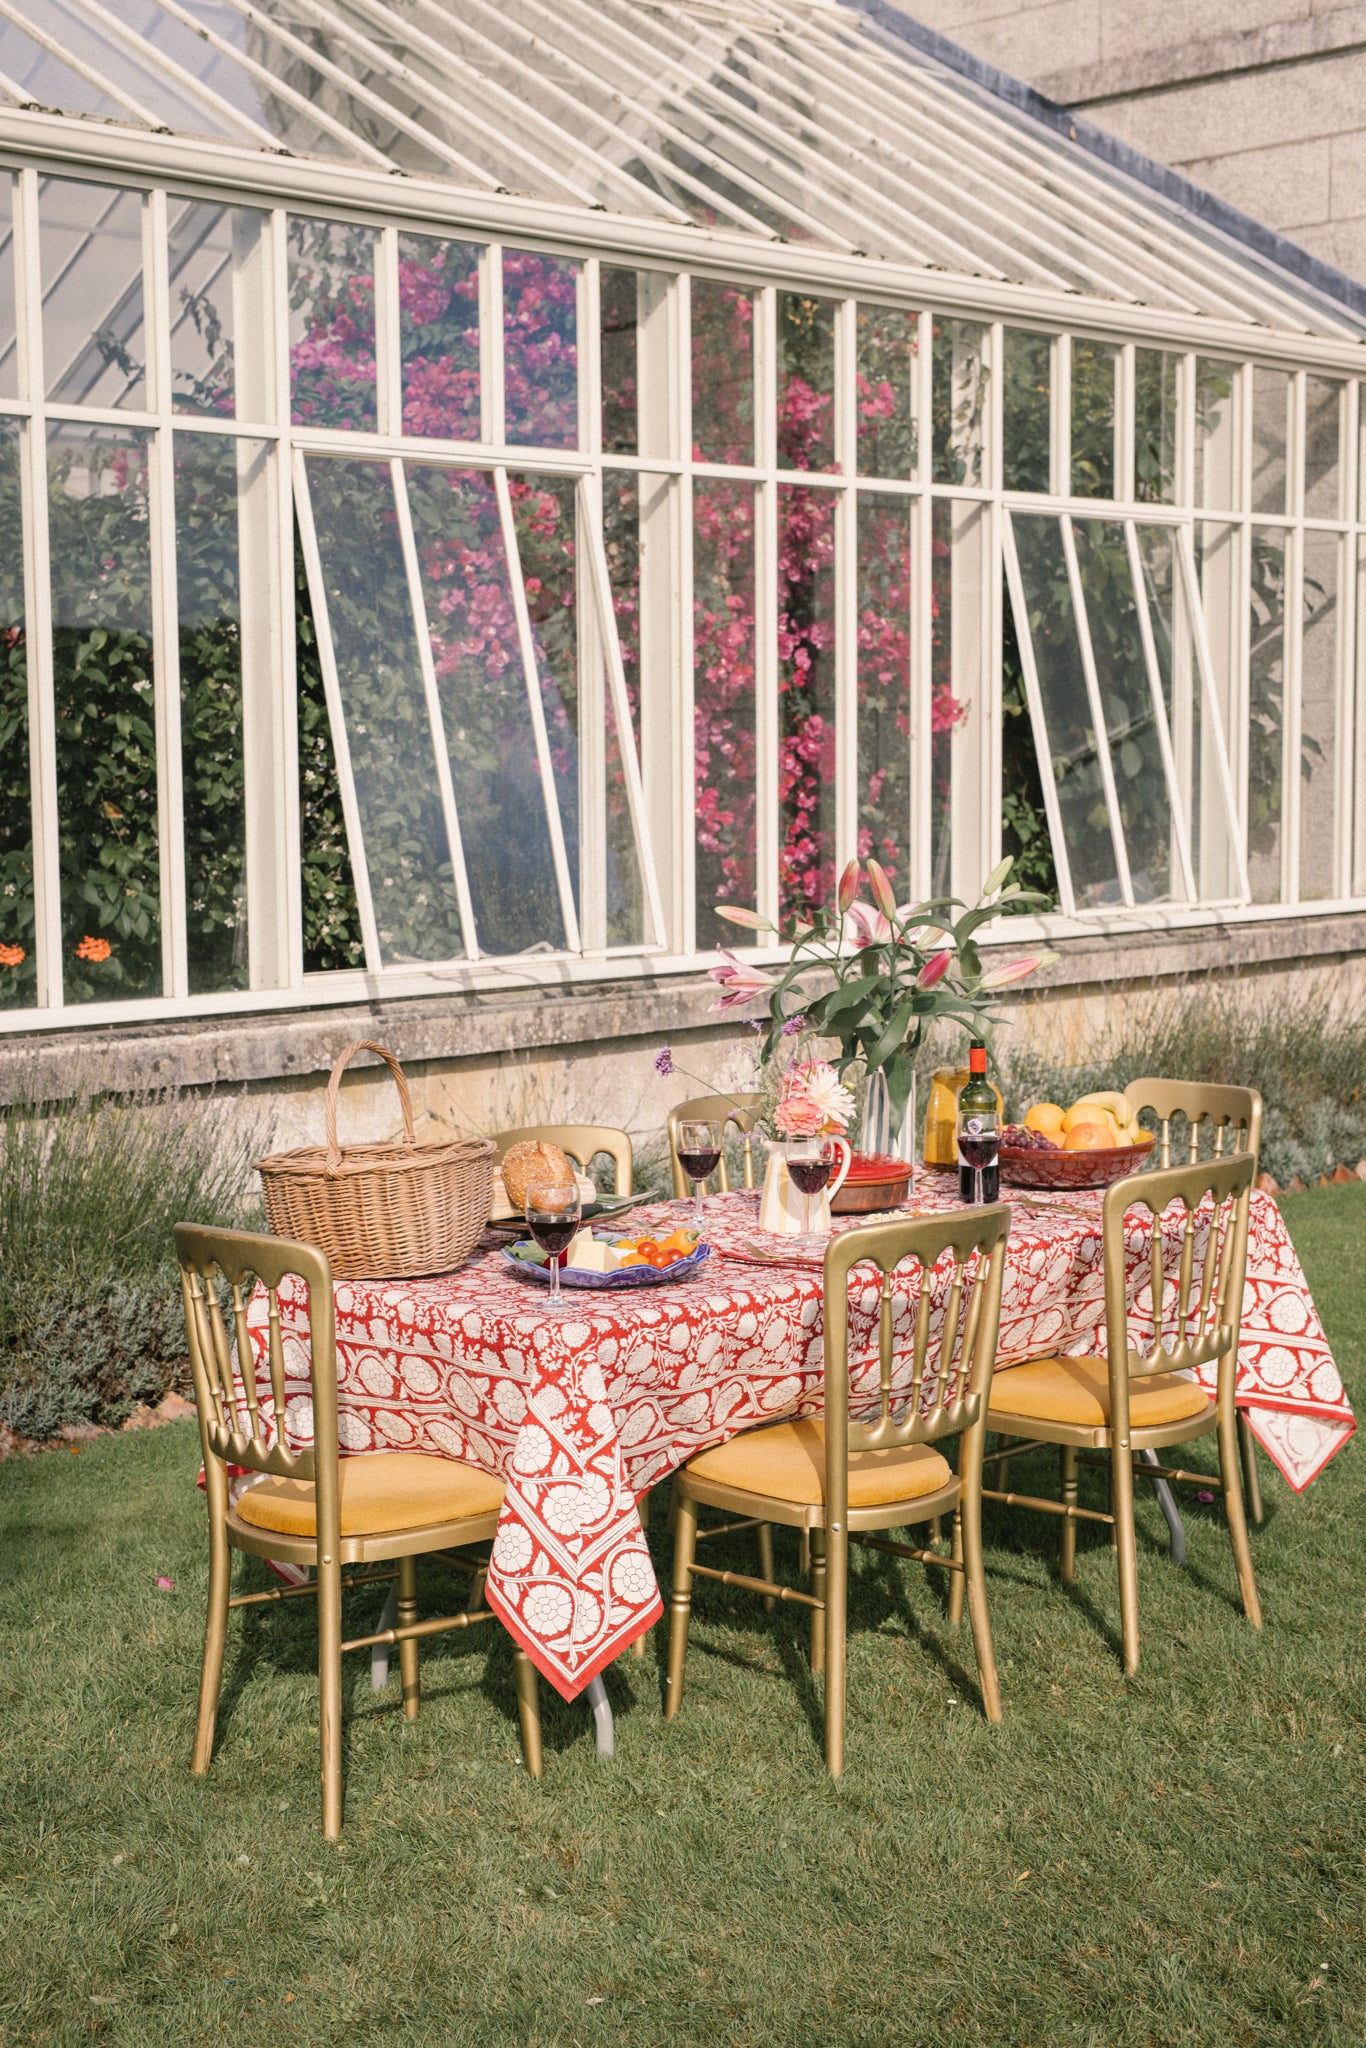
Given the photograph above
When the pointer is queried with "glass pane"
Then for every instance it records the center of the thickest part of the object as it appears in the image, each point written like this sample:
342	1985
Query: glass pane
1216	435
1130	718
1093	418
888	343
959	379
1322	462
723	704
331	921
211	478
45	81
388	733
1070	736
438	315
626	919
17	985
1266	723
957	671
806	382
806	697
1155	398
214	255
1024	821
490	739
540	349
1272	393
94	345
620	377
1223	599
547	544
1026	400
884	686
1319	718
105	716
9	358
331	324
722	372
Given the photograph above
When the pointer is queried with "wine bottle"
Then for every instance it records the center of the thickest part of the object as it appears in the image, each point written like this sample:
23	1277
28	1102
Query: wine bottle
979	1132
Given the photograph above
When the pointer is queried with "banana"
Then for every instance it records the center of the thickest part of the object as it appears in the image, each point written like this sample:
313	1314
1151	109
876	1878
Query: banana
1119	1106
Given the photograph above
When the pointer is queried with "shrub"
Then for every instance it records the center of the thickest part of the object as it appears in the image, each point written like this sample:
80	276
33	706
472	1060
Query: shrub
90	1315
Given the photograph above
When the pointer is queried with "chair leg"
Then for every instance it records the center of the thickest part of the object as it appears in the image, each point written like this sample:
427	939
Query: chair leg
1067	1549
528	1710
817	1588
1126	1545
969	1517
215	1640
1252	1482
764	1537
957	1580
680	1603
836	1629
330	1695
1237	1521
408	1651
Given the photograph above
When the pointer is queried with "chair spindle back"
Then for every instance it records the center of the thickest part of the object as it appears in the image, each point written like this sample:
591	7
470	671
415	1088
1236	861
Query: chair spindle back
1206	1306
582	1143
1233	1114
740	1110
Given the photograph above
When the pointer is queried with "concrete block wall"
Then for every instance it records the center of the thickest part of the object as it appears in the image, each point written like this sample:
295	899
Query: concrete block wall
1260	101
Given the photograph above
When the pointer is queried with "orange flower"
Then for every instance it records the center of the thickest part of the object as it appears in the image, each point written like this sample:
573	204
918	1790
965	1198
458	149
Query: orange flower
11	956
93	949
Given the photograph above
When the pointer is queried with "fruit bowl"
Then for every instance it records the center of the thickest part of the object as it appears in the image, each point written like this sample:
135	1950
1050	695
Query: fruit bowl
1023	1167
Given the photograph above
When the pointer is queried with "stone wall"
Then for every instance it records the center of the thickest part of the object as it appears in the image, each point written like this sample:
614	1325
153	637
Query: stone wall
492	1062
1261	101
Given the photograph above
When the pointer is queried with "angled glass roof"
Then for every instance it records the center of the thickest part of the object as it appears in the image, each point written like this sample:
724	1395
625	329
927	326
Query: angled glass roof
800	120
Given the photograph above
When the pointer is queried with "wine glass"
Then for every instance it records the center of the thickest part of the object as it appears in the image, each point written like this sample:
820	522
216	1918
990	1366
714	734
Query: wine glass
699	1154
810	1163
552	1210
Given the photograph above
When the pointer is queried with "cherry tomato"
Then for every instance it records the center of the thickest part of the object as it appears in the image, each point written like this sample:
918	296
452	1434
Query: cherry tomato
647	1247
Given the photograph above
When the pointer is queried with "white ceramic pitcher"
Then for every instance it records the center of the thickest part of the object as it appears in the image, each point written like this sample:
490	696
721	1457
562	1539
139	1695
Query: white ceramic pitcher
783	1207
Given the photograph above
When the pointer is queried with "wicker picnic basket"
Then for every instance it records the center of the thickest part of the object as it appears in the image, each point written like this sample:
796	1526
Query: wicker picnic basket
381	1212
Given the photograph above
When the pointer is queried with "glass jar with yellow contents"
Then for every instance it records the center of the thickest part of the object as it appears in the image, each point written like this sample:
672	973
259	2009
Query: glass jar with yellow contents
941	1117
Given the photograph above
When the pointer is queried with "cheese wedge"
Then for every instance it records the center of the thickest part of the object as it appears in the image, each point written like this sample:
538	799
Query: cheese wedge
590	1255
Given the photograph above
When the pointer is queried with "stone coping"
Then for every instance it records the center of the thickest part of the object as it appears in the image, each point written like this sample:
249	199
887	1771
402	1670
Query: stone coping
258	1048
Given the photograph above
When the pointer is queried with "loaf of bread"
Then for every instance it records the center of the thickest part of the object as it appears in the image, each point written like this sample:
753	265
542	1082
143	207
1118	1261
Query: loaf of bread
534	1163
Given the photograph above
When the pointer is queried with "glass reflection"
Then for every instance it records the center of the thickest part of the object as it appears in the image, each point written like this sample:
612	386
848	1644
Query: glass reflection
1322	438
806	698
540	349
1072	740
626	920
723	704
884	686
1027	410
1319	717
331	324
722	372
806	382
215	256
105	713
959	390
384	705
489	735
620	372
1155	400
17	964
1093	418
9	354
1266	713
1217	463
438	312
888	343
94	343
1272	397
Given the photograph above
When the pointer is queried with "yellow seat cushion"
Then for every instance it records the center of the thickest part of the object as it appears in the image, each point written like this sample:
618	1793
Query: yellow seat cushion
383	1491
1077	1390
786	1461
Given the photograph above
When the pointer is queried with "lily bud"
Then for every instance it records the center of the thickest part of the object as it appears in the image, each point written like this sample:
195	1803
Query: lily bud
883	894
850	882
749	918
935	968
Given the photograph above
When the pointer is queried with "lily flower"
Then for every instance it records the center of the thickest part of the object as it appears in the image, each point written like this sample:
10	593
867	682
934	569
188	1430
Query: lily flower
749	918
866	926
849	886
739	980
935	968
883	894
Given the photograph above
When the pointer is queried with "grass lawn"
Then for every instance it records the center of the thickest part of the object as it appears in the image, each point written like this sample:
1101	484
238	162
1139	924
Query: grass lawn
1178	1858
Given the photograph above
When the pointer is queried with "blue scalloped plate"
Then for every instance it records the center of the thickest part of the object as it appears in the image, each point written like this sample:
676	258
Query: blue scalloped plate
529	1260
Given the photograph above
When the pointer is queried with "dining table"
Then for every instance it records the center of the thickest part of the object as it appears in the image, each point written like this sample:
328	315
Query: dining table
585	1409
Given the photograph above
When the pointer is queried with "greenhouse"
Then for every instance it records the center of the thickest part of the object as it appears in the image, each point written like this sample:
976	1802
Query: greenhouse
484	483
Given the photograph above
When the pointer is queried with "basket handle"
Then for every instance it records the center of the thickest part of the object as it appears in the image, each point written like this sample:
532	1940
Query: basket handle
343	1060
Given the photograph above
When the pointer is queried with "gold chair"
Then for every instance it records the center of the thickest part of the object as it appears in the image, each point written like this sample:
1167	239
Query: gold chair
841	1478
740	1110
315	1508
1103	1412
1235	1113
582	1142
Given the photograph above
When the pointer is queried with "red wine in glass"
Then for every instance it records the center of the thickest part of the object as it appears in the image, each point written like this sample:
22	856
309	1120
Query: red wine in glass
698	1148
979	1170
699	1165
809	1176
552	1216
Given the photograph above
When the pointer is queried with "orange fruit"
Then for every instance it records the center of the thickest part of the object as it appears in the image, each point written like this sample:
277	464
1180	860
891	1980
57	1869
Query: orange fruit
1088	1138
1045	1117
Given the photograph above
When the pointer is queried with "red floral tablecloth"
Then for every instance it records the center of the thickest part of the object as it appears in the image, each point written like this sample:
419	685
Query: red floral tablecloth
584	1413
